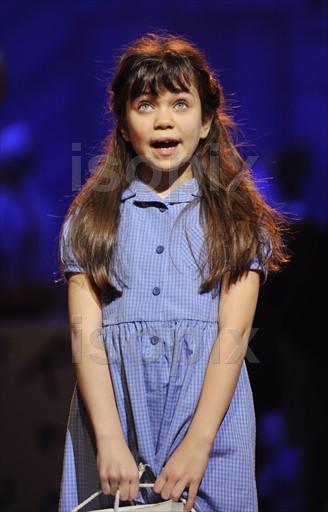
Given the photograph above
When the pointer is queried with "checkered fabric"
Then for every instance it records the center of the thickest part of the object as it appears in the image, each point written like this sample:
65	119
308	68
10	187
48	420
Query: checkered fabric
158	335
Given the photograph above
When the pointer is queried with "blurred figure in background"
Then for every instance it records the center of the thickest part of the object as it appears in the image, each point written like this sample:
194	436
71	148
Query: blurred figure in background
303	348
293	351
23	227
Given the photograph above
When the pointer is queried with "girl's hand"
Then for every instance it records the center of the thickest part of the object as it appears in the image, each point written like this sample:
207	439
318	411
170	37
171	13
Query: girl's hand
185	468
117	469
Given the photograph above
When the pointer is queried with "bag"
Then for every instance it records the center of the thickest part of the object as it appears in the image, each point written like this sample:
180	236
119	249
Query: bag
164	506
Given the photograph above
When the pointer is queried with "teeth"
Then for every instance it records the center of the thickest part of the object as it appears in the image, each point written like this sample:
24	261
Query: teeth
165	143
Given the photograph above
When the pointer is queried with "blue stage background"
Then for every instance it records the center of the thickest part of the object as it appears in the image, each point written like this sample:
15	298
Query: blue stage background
56	60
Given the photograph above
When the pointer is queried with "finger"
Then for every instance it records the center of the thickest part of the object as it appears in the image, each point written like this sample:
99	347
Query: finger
159	483
114	485
167	489
134	489
192	493
124	489
177	491
105	487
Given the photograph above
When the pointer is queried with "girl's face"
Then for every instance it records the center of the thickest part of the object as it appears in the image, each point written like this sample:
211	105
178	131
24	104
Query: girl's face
165	130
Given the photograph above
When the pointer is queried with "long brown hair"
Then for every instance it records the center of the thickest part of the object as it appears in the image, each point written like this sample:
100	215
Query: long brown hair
238	222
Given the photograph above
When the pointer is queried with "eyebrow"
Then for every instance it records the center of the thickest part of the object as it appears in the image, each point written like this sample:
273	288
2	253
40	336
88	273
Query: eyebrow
174	94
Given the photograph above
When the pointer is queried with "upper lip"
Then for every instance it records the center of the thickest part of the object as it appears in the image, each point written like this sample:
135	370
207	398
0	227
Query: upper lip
164	139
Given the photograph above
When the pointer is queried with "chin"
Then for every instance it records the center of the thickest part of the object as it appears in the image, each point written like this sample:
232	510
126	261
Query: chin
167	166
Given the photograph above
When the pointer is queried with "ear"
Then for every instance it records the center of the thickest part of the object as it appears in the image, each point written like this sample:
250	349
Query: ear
206	125
125	135
124	131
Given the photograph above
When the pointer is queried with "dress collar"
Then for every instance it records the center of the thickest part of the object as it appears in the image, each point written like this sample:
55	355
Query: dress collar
142	192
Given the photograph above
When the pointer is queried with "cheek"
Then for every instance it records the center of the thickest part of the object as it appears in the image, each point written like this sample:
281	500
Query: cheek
191	128
192	136
138	131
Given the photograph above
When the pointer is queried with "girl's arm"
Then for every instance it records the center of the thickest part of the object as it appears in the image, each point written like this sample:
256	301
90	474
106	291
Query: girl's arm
236	313
91	365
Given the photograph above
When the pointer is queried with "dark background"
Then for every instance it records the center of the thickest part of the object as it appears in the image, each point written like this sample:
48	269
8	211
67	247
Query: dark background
56	59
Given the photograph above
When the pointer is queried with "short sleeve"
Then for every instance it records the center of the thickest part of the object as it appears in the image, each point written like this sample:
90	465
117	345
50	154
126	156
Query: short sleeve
67	258
266	252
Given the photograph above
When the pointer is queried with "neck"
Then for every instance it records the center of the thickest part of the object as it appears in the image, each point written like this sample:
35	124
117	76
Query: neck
164	181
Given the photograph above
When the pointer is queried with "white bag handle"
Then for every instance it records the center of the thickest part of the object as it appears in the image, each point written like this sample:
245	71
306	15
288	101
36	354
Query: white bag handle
141	468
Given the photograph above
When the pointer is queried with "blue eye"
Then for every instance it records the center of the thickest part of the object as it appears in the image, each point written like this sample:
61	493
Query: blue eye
182	102
179	102
142	104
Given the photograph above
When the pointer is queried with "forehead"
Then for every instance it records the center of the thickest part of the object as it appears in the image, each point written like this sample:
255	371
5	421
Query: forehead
156	80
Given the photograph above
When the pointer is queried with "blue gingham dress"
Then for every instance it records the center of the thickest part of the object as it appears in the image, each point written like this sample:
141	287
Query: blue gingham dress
158	337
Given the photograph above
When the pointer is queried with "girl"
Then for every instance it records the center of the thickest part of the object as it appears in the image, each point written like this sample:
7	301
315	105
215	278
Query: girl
156	249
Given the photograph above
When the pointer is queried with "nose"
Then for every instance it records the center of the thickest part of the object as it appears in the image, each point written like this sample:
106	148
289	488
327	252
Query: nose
163	119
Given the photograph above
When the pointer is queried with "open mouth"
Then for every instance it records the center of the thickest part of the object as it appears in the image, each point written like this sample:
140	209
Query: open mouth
165	147
161	144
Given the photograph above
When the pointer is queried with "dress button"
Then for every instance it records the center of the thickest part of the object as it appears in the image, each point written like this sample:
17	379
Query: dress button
154	340
159	249
156	291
